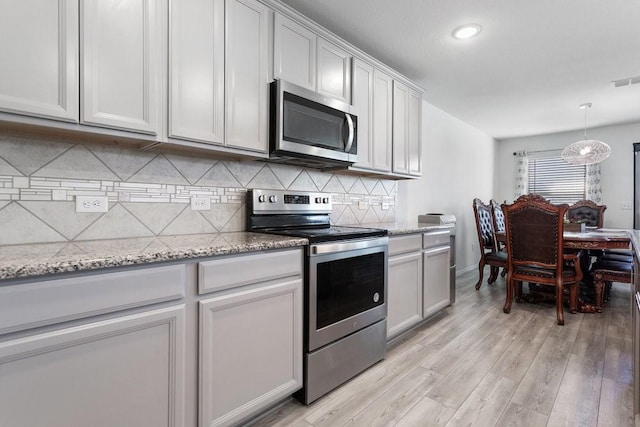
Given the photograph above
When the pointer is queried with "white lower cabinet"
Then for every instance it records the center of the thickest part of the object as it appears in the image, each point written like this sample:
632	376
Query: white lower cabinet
436	295
418	284
404	288
125	371
405	292
250	350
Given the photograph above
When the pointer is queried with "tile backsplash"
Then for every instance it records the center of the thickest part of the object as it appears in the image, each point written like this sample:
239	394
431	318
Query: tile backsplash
149	193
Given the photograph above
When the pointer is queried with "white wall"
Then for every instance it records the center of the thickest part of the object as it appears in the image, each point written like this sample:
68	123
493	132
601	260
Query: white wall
617	170
457	164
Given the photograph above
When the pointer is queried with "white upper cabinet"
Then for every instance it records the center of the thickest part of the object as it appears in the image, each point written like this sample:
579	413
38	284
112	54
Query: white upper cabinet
294	53
196	68
303	58
334	71
122	53
400	128
415	133
382	128
39	58
373	100
219	73
363	101
247	75
407	128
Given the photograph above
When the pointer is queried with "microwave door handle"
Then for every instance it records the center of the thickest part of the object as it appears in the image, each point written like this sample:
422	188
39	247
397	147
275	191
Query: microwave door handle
347	147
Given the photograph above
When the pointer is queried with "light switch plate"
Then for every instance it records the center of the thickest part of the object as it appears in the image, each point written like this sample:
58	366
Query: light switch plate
362	205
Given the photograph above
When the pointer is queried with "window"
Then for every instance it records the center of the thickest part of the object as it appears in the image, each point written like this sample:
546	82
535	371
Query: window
556	180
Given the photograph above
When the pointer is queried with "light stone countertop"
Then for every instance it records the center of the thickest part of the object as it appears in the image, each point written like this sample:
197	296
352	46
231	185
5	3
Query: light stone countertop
398	228
31	260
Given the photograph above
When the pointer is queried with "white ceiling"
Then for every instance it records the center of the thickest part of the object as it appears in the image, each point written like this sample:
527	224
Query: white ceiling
526	73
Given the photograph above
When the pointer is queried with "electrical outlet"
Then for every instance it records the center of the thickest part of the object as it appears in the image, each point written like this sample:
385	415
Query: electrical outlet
385	206
626	205
200	204
92	204
362	205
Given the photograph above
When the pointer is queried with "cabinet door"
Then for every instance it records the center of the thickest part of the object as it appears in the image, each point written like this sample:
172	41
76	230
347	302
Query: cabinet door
334	71
400	127
382	127
122	45
247	75
294	53
415	133
250	351
362	97
436	294
39	58
404	307
196	61
126	371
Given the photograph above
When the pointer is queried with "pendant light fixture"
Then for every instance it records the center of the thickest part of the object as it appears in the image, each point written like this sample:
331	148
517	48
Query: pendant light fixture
587	151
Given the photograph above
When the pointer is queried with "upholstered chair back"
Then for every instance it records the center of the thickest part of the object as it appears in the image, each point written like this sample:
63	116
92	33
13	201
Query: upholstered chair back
588	212
484	224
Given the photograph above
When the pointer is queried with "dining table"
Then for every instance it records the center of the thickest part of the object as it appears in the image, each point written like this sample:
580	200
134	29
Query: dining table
591	239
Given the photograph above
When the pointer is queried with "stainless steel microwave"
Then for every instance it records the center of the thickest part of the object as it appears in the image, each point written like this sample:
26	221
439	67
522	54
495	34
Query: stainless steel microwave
311	130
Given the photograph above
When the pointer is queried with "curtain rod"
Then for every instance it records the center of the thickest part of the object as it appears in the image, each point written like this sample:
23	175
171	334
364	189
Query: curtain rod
540	151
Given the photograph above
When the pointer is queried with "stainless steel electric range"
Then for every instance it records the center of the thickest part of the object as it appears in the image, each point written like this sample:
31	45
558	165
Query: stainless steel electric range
345	285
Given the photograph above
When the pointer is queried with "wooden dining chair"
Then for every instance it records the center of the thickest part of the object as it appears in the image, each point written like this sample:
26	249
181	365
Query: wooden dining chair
498	226
534	230
588	212
489	254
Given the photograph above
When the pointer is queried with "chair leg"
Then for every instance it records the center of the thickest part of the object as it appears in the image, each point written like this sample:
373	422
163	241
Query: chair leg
480	274
598	285
507	302
504	272
517	287
494	274
559	304
573	297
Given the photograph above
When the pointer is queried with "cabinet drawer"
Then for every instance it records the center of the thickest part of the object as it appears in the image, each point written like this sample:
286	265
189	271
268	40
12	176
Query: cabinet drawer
404	244
238	270
29	305
436	238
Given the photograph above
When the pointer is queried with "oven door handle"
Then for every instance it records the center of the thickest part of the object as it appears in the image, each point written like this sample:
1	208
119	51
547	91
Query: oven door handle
334	247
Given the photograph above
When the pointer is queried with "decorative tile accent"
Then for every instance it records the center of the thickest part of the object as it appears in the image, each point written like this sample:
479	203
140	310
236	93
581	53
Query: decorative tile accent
77	162
122	161
220	176
266	179
285	174
115	224
150	193
61	216
20	226
29	155
189	222
157	216
159	170
192	168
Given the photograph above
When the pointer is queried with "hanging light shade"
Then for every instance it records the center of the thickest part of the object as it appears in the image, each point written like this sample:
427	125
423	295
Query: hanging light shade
586	151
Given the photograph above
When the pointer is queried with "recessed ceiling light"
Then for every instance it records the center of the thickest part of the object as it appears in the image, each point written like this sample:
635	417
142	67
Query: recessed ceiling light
466	31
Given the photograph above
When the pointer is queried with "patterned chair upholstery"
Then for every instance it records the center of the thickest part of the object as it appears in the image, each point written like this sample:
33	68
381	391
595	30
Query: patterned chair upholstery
534	231
498	226
489	255
588	212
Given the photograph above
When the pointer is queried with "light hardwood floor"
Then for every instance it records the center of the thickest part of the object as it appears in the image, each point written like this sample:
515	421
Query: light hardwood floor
471	364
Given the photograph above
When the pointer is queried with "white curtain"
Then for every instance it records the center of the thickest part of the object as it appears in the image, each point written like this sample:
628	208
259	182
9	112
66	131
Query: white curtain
594	184
522	174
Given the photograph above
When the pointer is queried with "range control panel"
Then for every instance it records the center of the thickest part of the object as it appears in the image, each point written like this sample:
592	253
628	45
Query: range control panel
285	201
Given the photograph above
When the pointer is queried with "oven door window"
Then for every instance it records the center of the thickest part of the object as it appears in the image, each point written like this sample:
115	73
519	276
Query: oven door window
349	286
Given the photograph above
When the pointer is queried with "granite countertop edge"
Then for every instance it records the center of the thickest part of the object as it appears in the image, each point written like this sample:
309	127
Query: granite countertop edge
43	259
